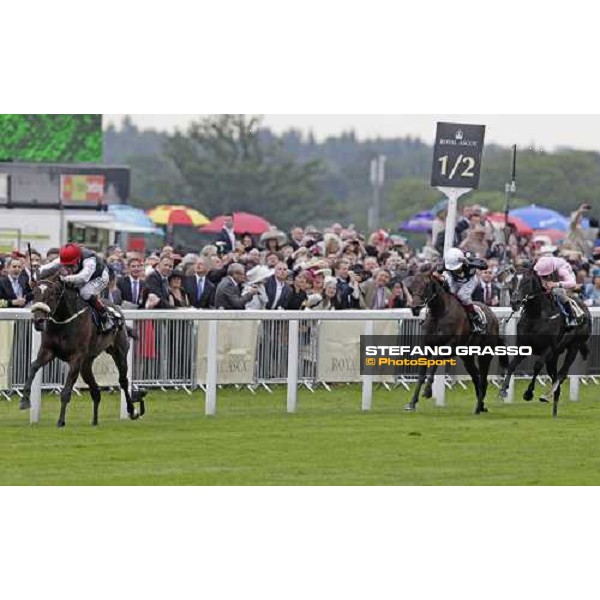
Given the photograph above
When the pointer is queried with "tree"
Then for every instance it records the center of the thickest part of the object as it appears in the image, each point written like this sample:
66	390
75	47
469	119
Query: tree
228	166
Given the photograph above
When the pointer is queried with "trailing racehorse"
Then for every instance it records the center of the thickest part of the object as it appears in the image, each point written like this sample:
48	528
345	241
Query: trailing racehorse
69	333
542	327
447	324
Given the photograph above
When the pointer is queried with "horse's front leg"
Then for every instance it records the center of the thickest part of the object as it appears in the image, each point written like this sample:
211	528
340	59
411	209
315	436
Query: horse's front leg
537	368
412	405
514	363
43	358
65	395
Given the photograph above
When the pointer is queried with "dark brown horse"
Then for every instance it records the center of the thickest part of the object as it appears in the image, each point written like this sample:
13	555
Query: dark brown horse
542	327
69	333
447	324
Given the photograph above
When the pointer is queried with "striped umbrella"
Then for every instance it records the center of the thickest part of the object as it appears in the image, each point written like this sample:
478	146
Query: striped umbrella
173	214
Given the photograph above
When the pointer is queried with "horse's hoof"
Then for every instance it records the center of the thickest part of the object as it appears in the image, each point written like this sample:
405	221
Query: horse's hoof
24	404
503	394
60	424
528	396
410	408
544	400
427	393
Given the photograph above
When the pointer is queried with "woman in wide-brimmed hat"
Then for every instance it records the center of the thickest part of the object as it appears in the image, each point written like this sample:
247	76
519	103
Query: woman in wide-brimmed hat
256	277
273	240
179	298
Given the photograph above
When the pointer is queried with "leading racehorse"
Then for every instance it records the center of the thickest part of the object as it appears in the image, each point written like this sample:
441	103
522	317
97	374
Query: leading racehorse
447	324
69	333
542	327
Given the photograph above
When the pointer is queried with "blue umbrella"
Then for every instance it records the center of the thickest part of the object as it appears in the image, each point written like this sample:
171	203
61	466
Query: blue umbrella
539	217
420	223
129	219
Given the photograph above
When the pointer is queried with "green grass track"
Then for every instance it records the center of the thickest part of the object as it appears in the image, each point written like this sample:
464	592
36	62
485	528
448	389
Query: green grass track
252	441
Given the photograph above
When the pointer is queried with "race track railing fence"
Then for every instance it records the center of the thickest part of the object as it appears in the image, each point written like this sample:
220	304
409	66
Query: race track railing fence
177	350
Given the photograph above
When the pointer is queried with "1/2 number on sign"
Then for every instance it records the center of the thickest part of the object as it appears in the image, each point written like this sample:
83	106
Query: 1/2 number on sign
467	161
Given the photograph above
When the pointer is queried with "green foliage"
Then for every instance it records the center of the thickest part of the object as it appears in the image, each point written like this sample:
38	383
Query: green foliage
229	162
252	441
51	138
226	167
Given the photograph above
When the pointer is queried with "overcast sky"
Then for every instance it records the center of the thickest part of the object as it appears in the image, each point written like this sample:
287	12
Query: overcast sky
543	131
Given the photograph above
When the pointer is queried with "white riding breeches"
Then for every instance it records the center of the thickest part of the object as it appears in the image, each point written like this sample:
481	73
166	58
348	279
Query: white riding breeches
95	286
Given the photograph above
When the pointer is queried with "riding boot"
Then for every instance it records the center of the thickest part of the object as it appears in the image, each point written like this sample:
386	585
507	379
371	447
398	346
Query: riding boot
571	319
106	321
477	324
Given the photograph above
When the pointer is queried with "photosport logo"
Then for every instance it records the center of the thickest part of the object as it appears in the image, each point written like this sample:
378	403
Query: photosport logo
385	355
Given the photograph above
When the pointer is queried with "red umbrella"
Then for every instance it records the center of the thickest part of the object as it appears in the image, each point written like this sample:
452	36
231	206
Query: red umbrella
242	223
522	227
554	234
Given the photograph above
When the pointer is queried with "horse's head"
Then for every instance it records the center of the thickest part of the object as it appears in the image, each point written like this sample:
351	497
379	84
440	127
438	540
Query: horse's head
422	289
47	294
529	287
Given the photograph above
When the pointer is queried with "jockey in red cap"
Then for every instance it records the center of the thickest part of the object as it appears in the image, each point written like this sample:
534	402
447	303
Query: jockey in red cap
86	271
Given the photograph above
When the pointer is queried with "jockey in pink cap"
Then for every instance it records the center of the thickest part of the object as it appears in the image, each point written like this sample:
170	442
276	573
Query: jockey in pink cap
557	275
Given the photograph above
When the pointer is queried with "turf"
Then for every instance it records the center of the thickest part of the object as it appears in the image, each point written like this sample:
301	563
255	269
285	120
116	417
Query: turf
252	441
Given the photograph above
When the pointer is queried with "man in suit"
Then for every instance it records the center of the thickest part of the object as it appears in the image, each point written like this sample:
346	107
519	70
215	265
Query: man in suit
14	287
277	288
375	293
200	290
226	237
228	295
156	293
490	290
132	285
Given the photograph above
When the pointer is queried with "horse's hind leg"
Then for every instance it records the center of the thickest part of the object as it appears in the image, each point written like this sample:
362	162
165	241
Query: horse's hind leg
65	395
119	351
484	367
88	376
471	367
562	375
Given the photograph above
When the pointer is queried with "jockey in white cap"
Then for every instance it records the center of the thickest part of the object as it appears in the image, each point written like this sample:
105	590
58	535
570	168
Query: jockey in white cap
460	278
557	275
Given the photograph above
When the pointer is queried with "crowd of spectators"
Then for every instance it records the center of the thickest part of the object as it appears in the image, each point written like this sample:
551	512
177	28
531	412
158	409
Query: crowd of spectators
336	268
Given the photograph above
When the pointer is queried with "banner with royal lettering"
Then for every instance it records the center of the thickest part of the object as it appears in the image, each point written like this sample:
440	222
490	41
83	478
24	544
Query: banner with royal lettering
105	372
7	331
339	350
236	352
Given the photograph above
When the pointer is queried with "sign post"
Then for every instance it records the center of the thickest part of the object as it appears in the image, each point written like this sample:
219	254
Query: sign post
456	166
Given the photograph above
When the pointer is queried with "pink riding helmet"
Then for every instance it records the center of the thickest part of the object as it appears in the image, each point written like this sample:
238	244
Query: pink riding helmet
545	266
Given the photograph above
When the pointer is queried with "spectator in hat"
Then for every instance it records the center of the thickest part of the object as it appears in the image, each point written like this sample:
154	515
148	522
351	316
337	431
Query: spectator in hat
178	295
256	277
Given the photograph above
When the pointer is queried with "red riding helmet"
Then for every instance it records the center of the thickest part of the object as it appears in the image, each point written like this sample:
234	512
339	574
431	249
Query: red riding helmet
70	254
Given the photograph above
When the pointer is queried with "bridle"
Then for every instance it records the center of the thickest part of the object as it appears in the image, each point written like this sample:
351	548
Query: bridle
51	313
427	301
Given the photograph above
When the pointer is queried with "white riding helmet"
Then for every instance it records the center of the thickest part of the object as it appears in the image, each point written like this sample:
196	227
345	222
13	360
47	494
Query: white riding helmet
454	259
